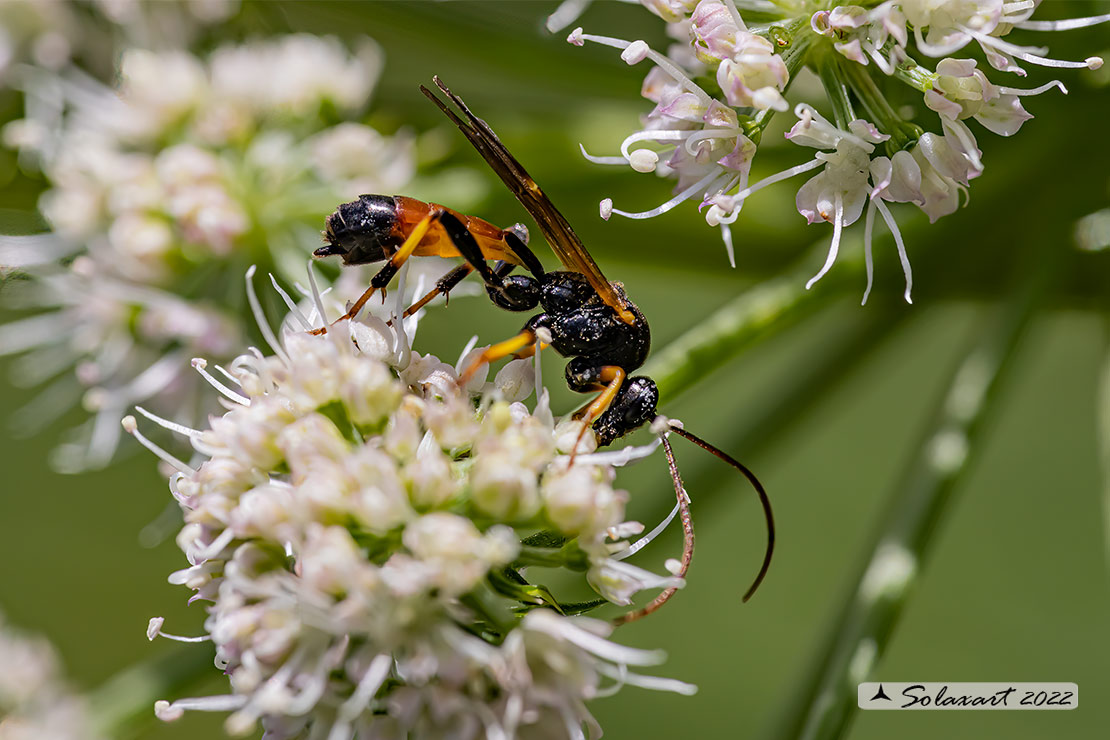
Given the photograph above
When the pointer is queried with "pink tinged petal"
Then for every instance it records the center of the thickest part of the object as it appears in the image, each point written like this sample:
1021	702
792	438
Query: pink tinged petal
732	85
1003	116
881	173
848	17
905	180
988	90
949	109
852	50
867	131
655	83
956	67
768	98
852	203
812	130
895	24
685	107
720	116
816	198
941	196
740	158
937	49
819	22
962	141
1002	62
714	28
944	159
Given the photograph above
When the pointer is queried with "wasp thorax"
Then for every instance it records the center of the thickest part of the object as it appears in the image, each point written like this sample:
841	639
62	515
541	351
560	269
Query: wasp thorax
362	231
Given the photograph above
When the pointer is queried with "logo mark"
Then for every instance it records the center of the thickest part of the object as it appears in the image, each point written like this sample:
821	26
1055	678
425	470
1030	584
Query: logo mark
880	694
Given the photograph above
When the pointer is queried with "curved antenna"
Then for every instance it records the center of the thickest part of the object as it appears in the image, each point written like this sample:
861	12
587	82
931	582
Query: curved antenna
766	502
687	541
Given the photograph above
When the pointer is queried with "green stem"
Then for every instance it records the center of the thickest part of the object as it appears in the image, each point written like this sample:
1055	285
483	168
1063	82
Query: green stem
903	134
903	540
1102	413
806	382
792	42
124	704
836	89
763	311
914	75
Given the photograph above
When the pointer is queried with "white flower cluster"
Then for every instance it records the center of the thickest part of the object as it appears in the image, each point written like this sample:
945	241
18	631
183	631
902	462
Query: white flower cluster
360	527
54	34
163	188
706	136
35	702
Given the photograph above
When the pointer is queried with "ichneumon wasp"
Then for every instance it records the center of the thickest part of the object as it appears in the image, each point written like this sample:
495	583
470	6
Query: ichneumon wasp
584	316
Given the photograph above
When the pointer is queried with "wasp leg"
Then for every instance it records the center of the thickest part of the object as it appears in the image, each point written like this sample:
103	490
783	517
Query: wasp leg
497	351
687	542
609	379
519	293
384	275
443	287
447	283
530	351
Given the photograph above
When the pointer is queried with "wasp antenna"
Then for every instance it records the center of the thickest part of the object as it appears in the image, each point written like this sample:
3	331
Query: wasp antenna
687	542
766	502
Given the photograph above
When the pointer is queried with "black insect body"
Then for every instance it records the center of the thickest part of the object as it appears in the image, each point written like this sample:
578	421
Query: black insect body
583	327
583	316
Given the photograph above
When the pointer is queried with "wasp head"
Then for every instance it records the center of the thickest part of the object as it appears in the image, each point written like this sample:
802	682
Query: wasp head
362	231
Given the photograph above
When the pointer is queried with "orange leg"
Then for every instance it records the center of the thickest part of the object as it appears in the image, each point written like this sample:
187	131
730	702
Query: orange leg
432	295
529	351
497	351
395	262
687	542
613	376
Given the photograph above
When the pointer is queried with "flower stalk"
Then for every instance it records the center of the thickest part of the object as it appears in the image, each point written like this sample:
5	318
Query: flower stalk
904	538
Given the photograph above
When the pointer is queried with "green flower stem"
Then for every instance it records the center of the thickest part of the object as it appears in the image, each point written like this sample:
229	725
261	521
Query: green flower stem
915	75
763	311
124	704
1102	413
903	134
793	394
903	541
836	88
792	42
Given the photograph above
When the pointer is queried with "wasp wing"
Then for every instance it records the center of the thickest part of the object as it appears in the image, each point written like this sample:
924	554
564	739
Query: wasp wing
558	232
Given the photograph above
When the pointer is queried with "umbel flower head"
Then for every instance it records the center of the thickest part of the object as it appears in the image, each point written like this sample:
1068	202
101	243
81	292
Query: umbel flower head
730	71
35	701
361	529
163	188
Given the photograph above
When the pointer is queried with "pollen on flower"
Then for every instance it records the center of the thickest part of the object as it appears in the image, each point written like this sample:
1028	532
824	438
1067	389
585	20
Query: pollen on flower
363	560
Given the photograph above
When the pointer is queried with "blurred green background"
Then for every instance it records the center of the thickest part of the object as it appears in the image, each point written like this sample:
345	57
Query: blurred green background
1016	588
